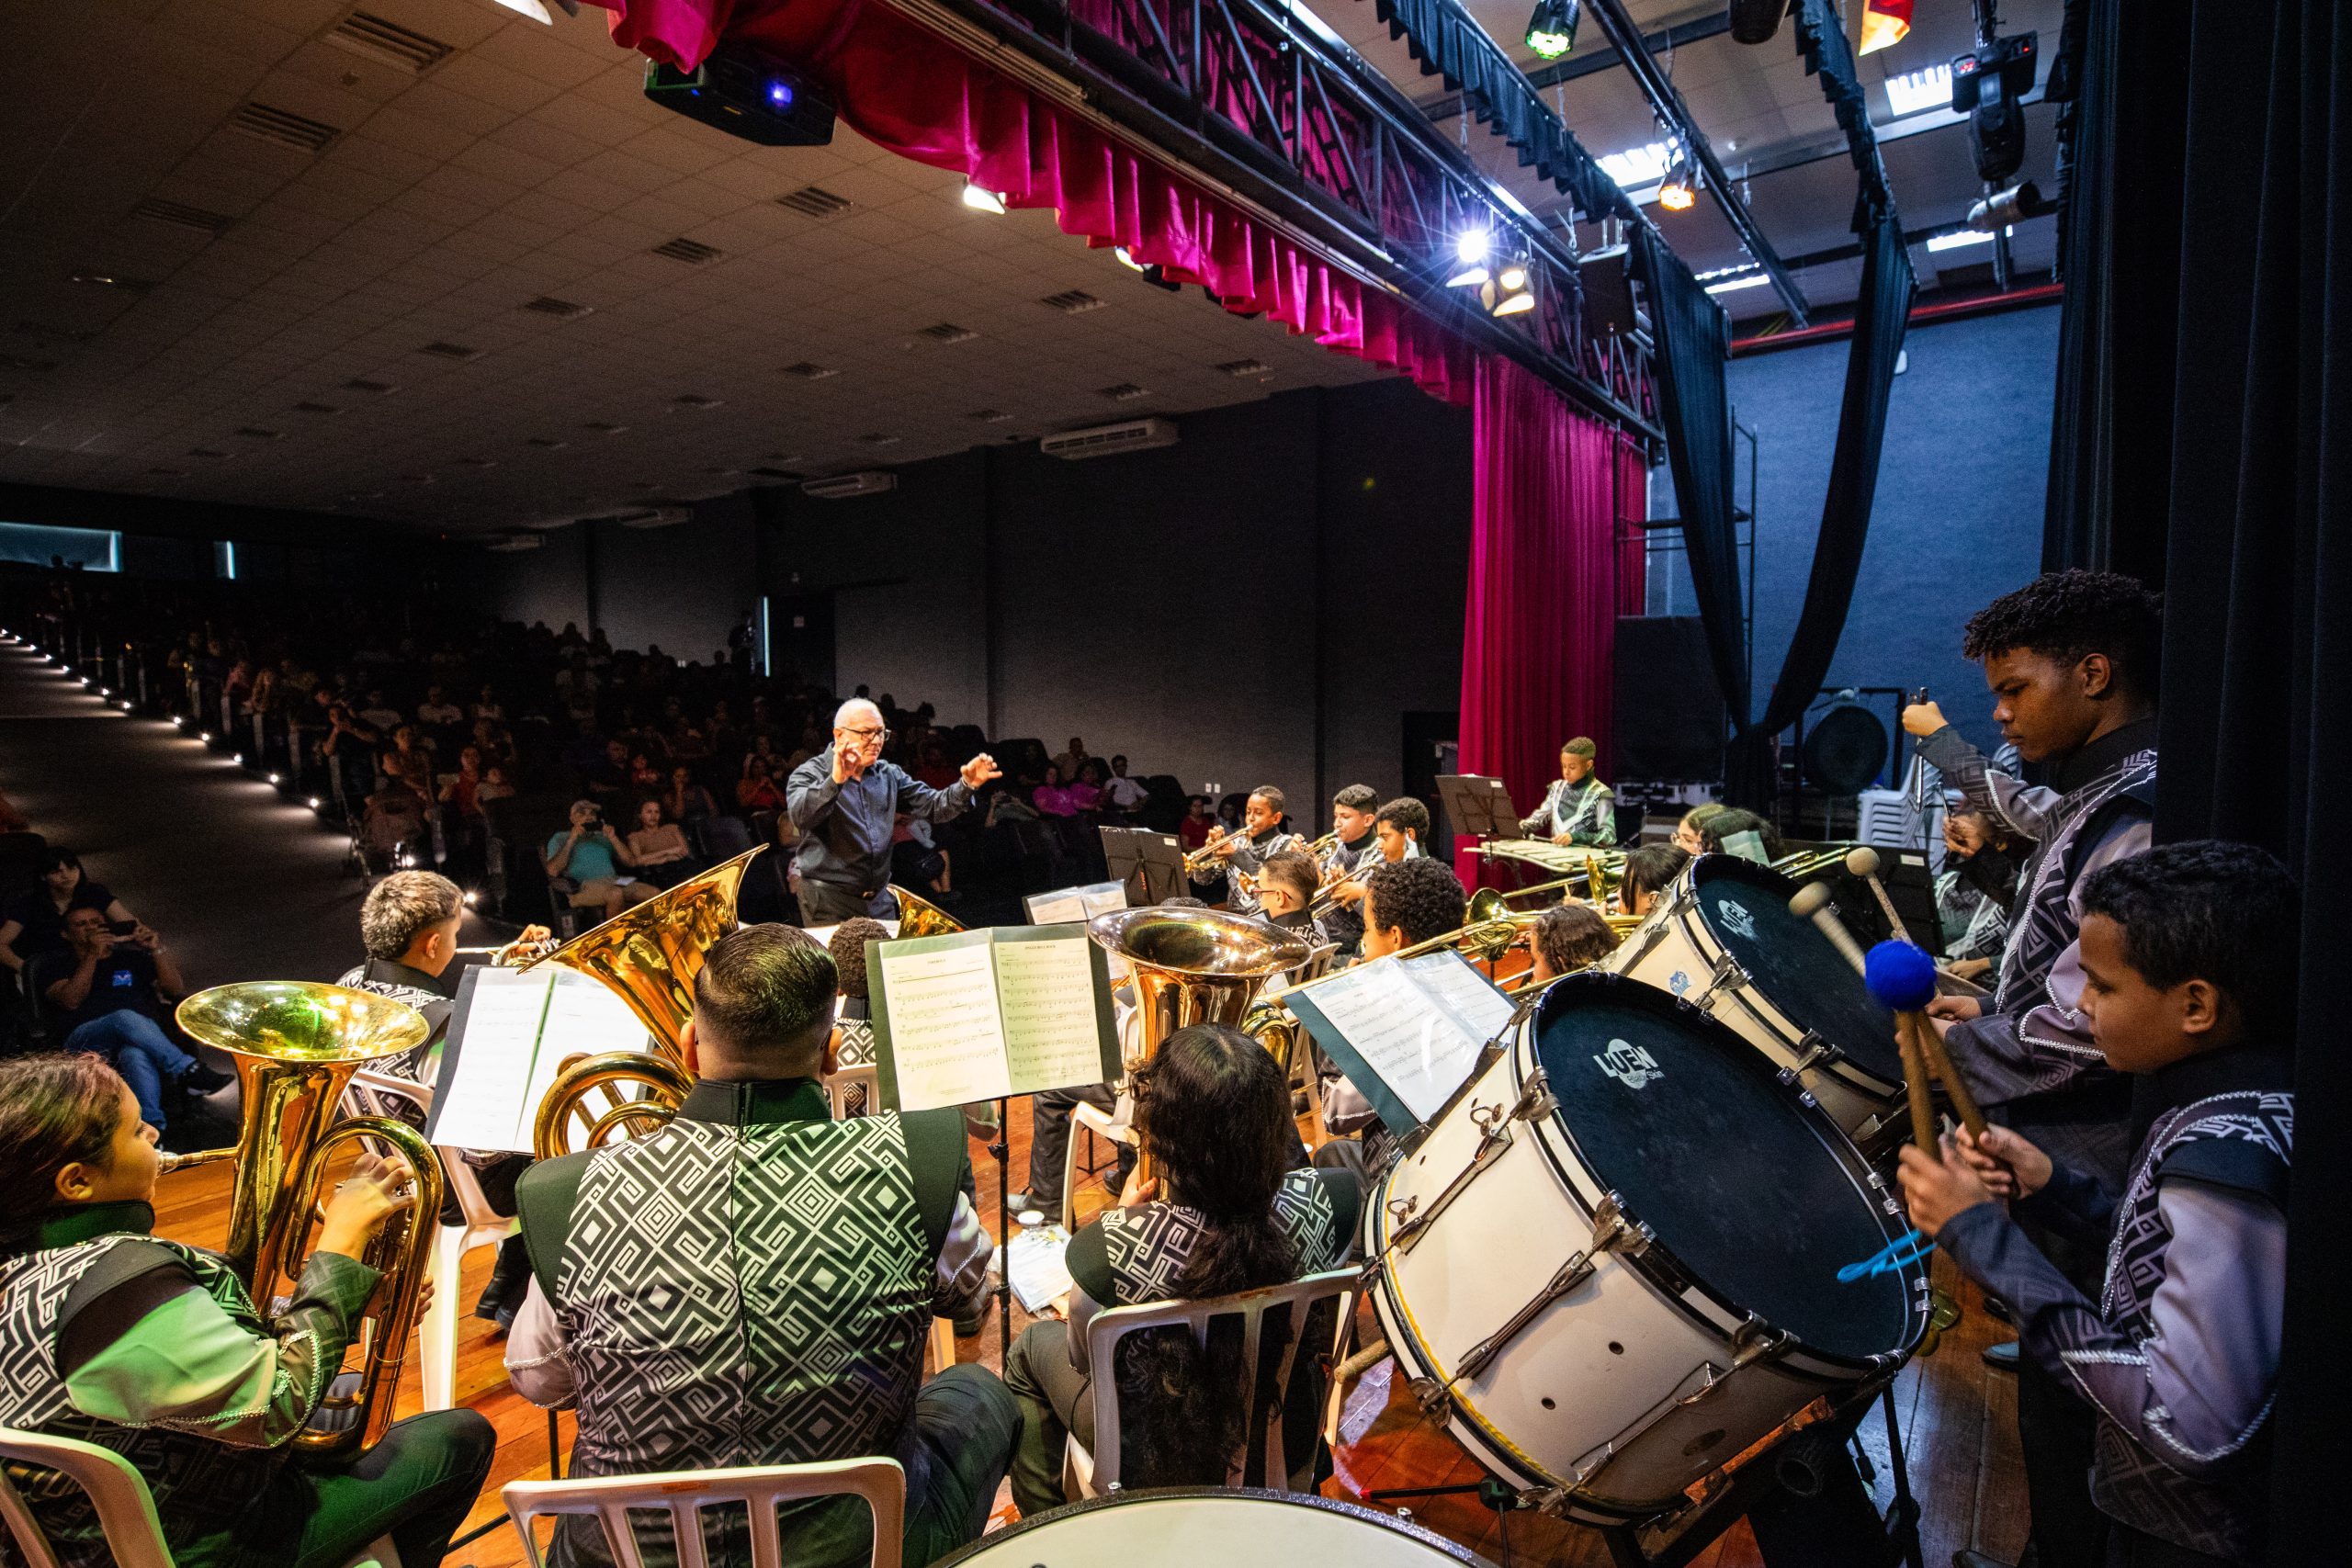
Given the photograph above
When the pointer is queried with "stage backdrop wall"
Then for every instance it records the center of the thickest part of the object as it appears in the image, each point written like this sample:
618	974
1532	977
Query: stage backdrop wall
1958	517
681	587
1262	603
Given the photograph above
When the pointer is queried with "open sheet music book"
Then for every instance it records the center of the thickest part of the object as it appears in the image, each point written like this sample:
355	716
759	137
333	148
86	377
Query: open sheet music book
980	1014
510	1033
1405	1031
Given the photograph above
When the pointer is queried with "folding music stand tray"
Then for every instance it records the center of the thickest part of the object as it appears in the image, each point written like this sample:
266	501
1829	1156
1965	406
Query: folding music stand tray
1151	865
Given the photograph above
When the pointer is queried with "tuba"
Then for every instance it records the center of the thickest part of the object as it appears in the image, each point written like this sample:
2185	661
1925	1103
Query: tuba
296	1044
920	916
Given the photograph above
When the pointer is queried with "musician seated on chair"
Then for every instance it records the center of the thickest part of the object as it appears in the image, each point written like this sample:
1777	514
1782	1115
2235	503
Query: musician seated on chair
1286	885
1407	902
754	1282
854	1022
1741	833
1226	1212
1647	873
1354	811
1400	832
153	1349
1578	808
1243	853
1566	938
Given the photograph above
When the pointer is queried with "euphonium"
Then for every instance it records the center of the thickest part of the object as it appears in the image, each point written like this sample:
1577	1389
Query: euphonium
296	1044
660	1087
920	916
648	956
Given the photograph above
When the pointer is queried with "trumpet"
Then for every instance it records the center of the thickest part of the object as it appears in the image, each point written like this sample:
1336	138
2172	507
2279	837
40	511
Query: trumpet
1201	860
1323	846
1327	894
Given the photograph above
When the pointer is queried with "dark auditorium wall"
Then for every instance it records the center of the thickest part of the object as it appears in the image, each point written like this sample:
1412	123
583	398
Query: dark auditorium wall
680	587
1262	603
1958	515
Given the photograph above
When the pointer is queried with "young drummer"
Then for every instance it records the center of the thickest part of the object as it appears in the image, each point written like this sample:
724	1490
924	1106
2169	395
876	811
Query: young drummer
2188	958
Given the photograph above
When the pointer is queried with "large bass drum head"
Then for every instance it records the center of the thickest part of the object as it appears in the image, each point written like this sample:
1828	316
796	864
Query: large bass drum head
1184	1527
1752	1192
1791	963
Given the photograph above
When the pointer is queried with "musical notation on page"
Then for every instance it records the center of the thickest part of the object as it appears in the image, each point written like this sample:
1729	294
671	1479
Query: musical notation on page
1045	991
977	1015
511	1033
947	1041
1407	1032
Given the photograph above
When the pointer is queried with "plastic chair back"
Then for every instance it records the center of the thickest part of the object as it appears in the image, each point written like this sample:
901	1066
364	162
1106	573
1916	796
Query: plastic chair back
683	1495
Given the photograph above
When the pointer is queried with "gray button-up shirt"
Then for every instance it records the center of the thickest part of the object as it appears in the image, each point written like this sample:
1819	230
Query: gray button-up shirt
848	825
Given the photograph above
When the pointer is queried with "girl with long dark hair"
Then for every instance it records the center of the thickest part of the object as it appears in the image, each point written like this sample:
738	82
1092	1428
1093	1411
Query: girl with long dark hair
1227	1214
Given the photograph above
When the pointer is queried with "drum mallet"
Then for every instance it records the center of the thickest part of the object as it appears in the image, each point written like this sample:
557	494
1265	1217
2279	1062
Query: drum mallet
1863	862
1811	902
1903	977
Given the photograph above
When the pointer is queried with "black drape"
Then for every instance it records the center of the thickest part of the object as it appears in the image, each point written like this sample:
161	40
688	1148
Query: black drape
2224	158
1693	339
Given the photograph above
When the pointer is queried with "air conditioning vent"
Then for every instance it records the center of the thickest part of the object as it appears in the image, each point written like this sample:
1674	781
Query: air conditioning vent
697	401
815	202
658	517
990	416
948	332
283	126
1075	302
1238	368
1125	391
808	372
694	253
257	433
514	544
1106	440
316	407
180	215
562	309
364	33
361	384
841	486
450	351
776	473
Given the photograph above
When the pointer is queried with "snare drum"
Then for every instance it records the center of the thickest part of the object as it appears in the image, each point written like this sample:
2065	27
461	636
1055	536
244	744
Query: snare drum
1723	940
1183	1528
1611	1265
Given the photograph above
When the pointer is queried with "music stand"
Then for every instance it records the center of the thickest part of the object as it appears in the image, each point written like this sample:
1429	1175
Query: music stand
1478	806
1151	865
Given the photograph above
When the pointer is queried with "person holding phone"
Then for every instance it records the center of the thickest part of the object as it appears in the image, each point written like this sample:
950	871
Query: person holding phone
105	994
592	854
35	923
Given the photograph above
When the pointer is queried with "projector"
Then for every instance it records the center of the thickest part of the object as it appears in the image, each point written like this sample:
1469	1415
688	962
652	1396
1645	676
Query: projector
745	93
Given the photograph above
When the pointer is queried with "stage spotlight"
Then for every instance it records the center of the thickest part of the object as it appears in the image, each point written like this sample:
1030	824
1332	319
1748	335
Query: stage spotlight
1679	188
316	803
980	200
2005	209
1552	27
1470	249
1509	294
1516	305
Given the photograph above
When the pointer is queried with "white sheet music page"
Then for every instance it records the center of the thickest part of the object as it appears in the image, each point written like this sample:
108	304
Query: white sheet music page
946	1045
1407	1034
1465	993
514	1034
1046	989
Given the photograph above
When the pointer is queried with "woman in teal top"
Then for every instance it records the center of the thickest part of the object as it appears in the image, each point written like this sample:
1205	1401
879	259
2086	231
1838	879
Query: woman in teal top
116	1336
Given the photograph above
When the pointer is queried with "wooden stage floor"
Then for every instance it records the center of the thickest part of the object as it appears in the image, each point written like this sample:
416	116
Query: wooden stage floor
1959	1420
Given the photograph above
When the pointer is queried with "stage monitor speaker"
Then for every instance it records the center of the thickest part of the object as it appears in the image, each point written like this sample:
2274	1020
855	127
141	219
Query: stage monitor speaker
1671	716
1608	292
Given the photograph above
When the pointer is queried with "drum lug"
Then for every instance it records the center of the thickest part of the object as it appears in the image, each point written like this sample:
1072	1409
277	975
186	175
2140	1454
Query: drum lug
1535	1099
1611	1232
1815	1051
1648	937
1727	975
1757	1340
1436	1401
1552	1500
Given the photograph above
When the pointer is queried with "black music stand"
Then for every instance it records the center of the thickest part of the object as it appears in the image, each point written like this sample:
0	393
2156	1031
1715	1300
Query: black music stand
1151	865
1478	806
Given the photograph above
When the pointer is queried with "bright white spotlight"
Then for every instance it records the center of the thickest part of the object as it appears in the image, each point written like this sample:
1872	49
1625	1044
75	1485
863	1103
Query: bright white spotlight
316	803
982	200
239	759
178	723
1517	305
1513	278
273	778
205	736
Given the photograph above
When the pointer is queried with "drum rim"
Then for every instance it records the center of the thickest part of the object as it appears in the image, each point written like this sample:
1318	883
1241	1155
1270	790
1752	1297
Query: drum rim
1683	904
1657	1265
1362	1513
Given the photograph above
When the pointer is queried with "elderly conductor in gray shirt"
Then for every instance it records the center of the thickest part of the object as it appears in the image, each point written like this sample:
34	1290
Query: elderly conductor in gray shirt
846	799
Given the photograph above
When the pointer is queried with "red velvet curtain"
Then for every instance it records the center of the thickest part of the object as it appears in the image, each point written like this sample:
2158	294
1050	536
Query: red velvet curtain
1540	625
905	88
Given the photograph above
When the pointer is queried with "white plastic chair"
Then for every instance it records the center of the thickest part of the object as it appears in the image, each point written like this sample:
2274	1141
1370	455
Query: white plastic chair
379	1094
683	1495
126	1508
1092	1119
1094	1474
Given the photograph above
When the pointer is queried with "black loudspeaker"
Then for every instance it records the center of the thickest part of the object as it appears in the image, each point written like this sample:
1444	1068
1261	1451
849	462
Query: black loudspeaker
1608	292
1844	750
1670	716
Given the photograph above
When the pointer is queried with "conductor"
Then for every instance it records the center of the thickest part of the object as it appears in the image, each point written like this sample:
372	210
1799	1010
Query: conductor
846	799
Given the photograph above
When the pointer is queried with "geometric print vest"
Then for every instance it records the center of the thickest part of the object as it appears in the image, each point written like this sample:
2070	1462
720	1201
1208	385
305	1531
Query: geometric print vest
2128	1482
201	1486
1148	1246
744	1295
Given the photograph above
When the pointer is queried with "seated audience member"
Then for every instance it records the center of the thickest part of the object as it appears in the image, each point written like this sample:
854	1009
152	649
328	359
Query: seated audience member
1073	759
495	785
2189	959
1227	1212
153	1349
1122	794
688	801
1648	871
916	859
1406	902
1688	833
658	846
378	714
409	925
607	778
591	854
1197	823
1086	789
437	711
11	820
1400	829
757	789
933	766
1566	938
34	923
107	993
813	1254
1741	833
486	706
642	774
1051	798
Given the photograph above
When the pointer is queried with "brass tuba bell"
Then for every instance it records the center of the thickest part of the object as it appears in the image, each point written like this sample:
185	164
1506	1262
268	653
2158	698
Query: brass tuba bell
296	1044
920	916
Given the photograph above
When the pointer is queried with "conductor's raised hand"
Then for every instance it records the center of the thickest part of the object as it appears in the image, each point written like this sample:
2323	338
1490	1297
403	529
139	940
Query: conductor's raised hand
979	771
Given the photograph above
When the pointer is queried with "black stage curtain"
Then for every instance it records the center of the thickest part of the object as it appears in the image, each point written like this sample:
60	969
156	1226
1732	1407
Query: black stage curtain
2221	152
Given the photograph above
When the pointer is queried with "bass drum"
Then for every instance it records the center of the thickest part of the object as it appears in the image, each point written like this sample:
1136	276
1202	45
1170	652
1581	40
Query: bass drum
1724	941
1611	1265
1184	1527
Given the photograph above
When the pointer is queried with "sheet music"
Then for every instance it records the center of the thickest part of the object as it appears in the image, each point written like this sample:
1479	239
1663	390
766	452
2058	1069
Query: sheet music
946	1043
1463	990
1076	904
1033	1266
1045	990
514	1031
1409	1037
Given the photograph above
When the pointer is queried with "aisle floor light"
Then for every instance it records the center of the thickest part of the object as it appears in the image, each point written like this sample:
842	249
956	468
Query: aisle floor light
1552	27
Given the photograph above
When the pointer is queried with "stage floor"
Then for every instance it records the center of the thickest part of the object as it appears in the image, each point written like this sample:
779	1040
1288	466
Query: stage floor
1959	1420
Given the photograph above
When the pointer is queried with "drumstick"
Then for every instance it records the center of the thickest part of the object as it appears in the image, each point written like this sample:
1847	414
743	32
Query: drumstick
1915	1085
1903	977
1931	1046
1811	903
1863	862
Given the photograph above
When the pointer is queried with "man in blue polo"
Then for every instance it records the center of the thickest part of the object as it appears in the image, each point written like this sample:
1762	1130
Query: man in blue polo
846	799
